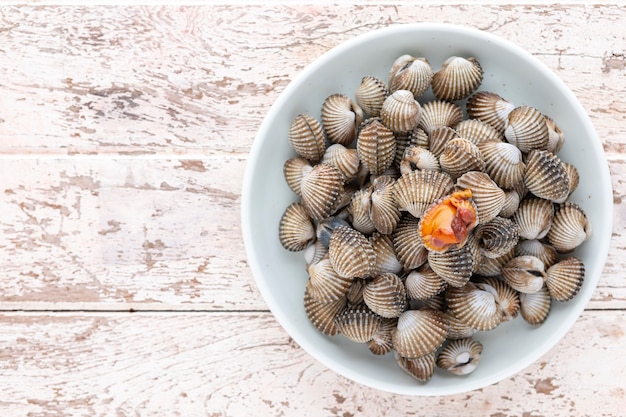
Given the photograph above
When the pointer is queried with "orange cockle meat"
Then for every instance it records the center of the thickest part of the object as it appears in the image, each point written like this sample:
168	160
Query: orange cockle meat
447	224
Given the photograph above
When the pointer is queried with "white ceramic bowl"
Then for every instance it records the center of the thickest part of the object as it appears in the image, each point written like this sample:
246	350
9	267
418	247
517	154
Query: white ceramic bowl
511	72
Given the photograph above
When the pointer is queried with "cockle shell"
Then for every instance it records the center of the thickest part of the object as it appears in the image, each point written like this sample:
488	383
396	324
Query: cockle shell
460	156
419	332
460	356
533	247
416	137
439	113
371	94
457	329
570	227
453	266
384	212
296	230
341	118
355	292
400	111
421	368
527	129
410	73
325	284
381	343
351	254
325	228
565	278
477	255
408	243
497	237
503	163
415	191
534	218
321	189
573	176
346	160
457	78
493	266
555	134
439	138
475	306
376	146
294	169
535	307
490	108
488	197
358	323
306	137
506	297
385	295
524	273
423	283
360	209
418	158
322	315
511	203
545	176
314	253
477	131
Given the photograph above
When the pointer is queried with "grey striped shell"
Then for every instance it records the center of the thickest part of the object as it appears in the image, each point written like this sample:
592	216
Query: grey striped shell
423	283
475	306
376	146
410	73
418	158
322	315
381	343
460	356
408	243
457	78
325	284
400	111
421	368
358	323
453	266
419	332
535	307
296	230
440	113
306	137
385	295
384	211
565	278
497	237
533	247
534	218
524	273
490	108
527	129
320	189
371	94
415	191
488	197
570	227
460	156
341	118
351	254
503	163
439	138
546	177
477	131
386	258
346	160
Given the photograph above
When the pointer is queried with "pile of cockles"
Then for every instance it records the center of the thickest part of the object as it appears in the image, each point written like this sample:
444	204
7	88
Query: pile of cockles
421	226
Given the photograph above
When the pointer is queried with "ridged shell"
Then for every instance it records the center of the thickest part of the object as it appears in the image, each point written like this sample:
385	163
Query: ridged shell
325	228
497	237
400	111
477	131
493	266
490	108
475	306
341	118
503	163
535	307
371	94
418	158
524	273
460	356
410	73
376	146
457	329
385	295
545	176
534	218
314	253
322	315
415	191
320	190
457	78
461	156
325	284
423	283
439	138
386	258
533	247
453	266
556	136
296	229
351	254
439	113
306	137
488	197
506	297
421	368
385	213
358	323
570	227
344	159
527	129
360	208
294	169
408	243
381	343
419	332
416	137
565	278
511	203
355	292
573	176
477	255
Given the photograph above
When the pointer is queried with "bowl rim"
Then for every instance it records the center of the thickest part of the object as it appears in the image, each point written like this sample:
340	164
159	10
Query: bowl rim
246	208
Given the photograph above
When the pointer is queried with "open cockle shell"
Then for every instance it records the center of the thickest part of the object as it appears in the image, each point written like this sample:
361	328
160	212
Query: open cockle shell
460	356
524	274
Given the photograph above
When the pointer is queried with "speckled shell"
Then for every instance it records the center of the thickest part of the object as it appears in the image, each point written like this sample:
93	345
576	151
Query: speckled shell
325	284
460	356
351	254
533	247
535	307
570	227
410	73
296	230
497	237
453	266
475	306
385	295
439	113
386	258
457	78
359	209
545	176
511	203
408	243
556	137
376	146
416	137
421	368
524	273
346	160
419	332
490	108
384	213
381	343
527	129
503	163
439	138
320	189
322	315
534	218
400	111
371	94
358	323
423	283
493	266
460	156
457	329
418	158
306	137
565	278
294	169
341	118
488	197
506	297
477	131
415	191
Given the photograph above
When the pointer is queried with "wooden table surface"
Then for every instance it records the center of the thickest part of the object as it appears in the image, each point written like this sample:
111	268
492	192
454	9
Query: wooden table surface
124	135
